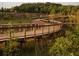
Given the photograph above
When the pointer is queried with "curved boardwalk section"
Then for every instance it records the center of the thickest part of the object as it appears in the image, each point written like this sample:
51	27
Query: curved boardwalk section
28	30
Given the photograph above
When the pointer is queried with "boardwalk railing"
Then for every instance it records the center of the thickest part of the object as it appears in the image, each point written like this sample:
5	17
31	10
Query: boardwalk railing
26	30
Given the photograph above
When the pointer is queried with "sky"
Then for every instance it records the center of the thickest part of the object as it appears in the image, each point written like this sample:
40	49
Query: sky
12	4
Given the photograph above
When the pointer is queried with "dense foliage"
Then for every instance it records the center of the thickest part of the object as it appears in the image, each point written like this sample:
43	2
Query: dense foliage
44	8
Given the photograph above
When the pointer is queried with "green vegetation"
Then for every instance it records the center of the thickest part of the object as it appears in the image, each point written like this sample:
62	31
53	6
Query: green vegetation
29	11
43	8
66	44
14	18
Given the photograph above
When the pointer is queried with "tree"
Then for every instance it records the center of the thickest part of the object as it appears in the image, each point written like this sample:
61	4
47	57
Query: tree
2	9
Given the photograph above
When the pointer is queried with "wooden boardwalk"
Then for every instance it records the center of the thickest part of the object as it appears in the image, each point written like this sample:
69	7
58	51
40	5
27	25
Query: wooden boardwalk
8	32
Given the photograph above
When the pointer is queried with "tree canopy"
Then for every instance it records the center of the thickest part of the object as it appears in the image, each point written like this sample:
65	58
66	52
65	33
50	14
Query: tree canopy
44	8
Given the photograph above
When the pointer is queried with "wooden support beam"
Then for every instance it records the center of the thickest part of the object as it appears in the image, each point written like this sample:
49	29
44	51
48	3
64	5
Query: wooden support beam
35	30
10	33
42	30
25	33
53	28
35	46
48	29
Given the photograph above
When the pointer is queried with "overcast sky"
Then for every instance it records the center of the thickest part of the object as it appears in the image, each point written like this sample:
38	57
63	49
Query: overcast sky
12	4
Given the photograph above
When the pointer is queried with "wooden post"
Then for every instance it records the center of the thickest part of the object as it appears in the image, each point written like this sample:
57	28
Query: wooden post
38	45
25	33
42	44
10	33
46	45
32	26
42	30
48	28
35	46
53	27
34	38
35	30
